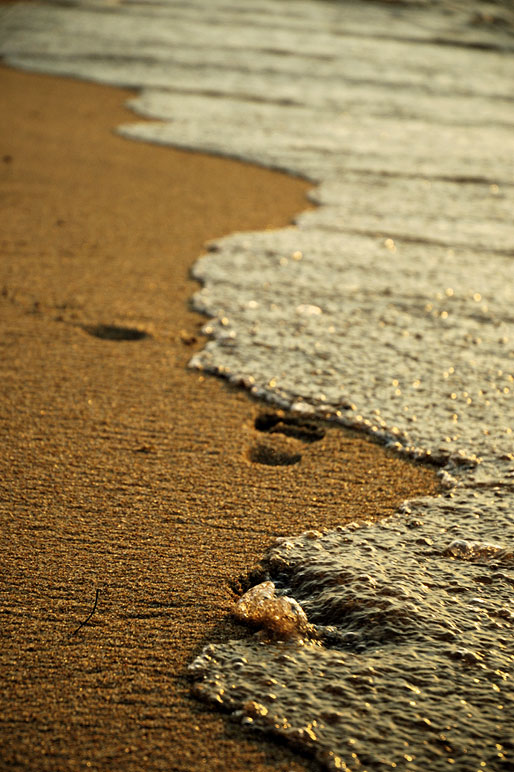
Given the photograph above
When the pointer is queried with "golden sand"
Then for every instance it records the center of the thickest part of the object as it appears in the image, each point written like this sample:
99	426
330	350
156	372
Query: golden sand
121	470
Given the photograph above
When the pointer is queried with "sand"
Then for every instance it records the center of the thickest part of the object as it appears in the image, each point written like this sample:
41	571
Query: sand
122	471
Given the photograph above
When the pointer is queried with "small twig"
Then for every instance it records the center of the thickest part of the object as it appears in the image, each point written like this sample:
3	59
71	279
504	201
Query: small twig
86	620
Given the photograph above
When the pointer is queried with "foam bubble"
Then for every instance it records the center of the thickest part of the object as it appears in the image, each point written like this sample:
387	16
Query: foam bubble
279	616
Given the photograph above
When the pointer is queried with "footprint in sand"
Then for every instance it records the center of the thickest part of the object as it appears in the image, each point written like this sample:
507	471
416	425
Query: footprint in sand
285	437
113	332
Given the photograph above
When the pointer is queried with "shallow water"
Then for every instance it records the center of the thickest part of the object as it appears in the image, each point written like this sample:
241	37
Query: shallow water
389	309
408	662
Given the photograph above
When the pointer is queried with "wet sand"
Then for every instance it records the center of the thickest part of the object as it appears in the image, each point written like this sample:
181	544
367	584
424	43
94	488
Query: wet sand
122	471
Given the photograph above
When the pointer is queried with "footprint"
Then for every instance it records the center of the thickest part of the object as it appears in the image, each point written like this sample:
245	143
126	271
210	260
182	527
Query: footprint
112	332
285	433
265	453
291	426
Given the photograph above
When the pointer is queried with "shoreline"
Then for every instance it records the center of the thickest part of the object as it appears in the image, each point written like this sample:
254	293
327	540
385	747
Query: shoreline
109	483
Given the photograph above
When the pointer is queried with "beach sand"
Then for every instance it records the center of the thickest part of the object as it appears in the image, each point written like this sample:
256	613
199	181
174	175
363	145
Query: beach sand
121	470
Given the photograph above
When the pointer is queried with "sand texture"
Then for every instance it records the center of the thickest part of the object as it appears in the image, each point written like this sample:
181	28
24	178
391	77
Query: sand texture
122	471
